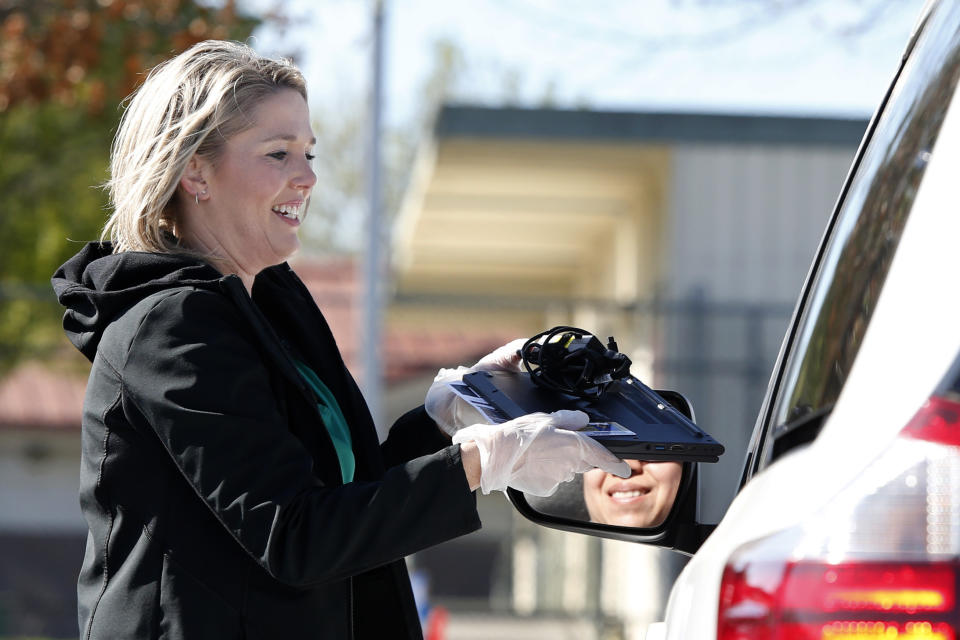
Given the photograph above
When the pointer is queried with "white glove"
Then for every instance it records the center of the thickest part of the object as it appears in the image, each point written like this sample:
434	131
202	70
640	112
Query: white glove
451	412
505	358
536	452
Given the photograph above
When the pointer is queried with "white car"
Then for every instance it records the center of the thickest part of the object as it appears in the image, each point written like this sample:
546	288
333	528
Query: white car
847	521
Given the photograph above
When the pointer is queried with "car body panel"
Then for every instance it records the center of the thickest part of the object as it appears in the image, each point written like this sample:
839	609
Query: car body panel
912	338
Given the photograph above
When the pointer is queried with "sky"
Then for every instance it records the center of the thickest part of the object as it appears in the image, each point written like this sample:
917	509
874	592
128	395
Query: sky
812	57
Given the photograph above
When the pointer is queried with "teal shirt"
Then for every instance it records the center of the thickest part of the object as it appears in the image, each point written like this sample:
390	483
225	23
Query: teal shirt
333	419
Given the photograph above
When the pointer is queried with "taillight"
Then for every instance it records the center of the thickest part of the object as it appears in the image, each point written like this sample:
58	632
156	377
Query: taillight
938	421
794	600
880	561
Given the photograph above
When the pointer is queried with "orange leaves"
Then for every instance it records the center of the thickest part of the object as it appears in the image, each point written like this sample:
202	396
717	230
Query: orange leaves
90	53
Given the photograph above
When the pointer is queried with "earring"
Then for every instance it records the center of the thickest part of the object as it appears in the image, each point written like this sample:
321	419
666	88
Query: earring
197	195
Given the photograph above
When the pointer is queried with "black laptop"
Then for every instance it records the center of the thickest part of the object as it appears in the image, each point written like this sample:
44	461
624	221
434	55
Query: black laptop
629	418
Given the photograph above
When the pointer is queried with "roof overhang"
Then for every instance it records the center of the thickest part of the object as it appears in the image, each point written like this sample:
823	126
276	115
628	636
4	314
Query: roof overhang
527	202
516	216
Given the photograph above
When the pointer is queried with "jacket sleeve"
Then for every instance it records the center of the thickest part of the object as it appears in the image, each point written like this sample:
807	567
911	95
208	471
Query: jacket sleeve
414	434
194	374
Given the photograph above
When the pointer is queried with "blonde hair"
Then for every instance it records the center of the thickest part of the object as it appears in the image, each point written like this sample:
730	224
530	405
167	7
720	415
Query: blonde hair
189	104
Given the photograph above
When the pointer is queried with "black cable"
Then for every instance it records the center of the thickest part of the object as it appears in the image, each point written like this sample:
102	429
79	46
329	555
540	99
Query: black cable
573	361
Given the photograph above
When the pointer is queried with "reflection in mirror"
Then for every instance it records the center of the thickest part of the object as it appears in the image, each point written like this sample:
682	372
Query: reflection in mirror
643	500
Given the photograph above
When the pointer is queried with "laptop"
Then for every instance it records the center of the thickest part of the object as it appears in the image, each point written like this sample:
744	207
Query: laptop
629	419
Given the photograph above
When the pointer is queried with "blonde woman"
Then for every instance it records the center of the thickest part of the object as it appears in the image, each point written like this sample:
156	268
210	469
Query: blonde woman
231	476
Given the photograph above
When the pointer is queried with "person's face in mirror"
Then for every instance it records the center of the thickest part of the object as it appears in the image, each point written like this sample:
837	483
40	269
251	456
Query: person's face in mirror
642	500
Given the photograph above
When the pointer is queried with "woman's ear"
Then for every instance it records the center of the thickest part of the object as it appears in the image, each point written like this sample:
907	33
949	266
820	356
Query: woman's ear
192	181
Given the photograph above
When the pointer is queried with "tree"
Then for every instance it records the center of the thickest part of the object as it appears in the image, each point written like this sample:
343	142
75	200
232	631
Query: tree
65	67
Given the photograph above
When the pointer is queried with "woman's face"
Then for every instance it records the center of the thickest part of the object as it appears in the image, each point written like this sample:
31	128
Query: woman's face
642	500
253	197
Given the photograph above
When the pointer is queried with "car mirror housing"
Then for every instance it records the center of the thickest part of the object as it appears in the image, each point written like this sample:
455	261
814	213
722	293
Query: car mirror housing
657	505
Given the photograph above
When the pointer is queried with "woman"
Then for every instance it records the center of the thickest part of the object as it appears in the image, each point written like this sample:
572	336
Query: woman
231	476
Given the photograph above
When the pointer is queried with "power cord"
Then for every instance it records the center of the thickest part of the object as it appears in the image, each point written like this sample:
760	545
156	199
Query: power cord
573	361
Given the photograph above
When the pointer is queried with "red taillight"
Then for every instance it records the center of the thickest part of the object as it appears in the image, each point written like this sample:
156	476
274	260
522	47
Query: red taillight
769	600
937	421
879	559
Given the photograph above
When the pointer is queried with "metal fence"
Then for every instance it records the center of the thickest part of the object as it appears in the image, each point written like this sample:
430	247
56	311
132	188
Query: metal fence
720	355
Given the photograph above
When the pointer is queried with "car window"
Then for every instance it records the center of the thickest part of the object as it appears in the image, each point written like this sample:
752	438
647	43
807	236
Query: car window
868	226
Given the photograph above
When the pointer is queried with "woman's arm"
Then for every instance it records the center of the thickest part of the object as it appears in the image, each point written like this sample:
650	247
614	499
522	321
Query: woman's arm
198	382
470	457
414	434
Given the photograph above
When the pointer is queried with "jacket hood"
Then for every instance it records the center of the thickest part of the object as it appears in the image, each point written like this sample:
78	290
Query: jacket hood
96	286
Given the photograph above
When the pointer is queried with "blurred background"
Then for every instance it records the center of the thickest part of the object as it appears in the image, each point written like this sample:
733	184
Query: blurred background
659	171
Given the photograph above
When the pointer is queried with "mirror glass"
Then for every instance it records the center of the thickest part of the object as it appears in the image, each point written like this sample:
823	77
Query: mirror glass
644	500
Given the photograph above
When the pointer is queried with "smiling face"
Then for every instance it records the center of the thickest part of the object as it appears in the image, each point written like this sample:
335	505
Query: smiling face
253	196
642	500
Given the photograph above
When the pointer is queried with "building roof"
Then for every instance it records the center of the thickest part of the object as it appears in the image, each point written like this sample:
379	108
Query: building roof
35	397
521	202
39	398
648	126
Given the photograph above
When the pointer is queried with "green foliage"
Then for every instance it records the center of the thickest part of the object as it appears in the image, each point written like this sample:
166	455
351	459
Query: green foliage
67	65
53	158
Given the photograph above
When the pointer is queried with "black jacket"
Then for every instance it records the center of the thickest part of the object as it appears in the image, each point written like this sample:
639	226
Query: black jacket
212	490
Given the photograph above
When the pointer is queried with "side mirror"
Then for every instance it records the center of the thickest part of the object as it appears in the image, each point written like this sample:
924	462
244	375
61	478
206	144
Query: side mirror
657	505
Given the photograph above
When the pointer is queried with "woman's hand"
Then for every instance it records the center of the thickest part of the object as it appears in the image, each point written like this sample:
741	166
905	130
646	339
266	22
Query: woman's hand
442	404
533	453
505	358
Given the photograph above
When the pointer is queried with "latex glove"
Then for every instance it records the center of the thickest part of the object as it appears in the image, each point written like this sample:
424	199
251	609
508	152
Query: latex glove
451	412
505	358
536	452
